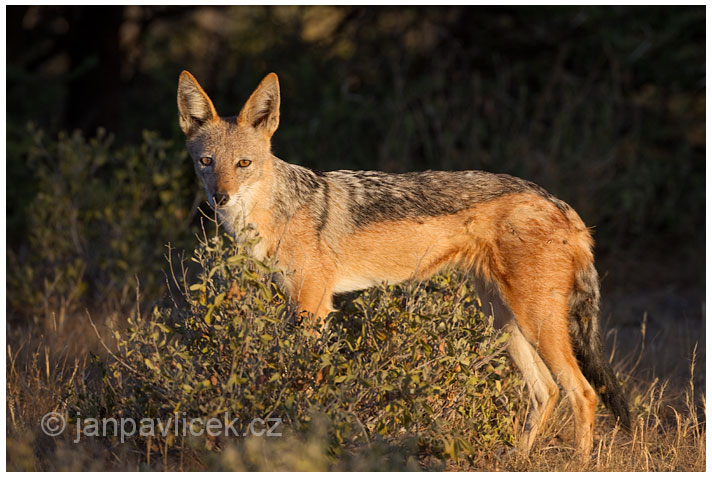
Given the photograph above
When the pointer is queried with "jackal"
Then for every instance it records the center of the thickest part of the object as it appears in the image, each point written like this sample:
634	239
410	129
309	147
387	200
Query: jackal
341	231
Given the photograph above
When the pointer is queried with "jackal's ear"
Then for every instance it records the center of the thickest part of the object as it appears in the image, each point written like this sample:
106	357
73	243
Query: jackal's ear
194	106
262	109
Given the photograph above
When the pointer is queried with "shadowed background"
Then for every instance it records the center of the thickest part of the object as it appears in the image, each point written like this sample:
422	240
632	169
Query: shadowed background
604	107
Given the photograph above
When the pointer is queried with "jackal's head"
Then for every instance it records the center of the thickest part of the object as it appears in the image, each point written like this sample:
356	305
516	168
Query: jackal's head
230	154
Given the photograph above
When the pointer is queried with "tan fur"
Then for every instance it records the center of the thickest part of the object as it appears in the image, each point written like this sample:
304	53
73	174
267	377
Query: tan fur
526	246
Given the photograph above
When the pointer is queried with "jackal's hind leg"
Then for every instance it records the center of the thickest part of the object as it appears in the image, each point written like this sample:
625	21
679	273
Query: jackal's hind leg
550	336
542	388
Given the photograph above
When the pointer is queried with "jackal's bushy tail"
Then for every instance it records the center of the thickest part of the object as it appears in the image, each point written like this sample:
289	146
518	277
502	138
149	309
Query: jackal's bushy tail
586	338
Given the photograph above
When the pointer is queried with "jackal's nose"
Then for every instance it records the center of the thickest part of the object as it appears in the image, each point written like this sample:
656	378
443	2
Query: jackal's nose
221	199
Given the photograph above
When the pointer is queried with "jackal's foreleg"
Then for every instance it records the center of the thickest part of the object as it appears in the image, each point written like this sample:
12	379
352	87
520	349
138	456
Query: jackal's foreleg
314	300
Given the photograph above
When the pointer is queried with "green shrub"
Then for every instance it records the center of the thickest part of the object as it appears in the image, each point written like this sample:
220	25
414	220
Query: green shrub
100	217
417	363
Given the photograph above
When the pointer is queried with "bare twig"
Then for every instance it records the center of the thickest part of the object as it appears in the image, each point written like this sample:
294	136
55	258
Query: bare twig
106	347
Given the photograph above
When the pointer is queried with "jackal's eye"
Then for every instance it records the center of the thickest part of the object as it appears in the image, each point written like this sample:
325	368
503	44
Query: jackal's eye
243	163
206	160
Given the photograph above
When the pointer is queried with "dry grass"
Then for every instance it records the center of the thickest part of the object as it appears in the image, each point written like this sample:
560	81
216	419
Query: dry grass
668	435
44	363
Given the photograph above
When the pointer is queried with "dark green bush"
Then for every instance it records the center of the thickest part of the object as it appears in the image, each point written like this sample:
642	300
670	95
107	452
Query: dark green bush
100	217
400	363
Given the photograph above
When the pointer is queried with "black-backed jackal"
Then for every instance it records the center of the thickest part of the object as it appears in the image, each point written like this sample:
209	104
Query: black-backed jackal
342	231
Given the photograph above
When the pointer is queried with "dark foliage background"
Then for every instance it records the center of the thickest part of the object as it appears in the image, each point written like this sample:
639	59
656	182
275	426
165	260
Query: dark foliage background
602	106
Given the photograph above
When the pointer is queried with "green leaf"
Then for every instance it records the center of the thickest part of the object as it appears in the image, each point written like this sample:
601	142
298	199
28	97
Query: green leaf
209	315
